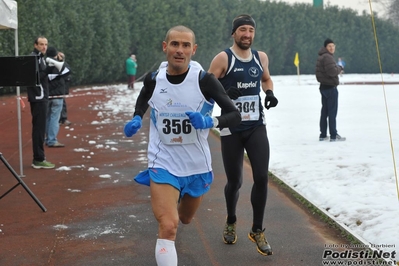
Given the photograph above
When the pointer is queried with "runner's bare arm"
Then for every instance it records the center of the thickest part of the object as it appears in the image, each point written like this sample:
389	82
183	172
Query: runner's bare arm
267	82
218	65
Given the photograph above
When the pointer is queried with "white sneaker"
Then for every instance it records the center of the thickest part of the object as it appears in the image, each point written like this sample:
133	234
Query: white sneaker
338	138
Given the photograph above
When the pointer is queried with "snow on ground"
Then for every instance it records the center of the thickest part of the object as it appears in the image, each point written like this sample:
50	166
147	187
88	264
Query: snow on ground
353	181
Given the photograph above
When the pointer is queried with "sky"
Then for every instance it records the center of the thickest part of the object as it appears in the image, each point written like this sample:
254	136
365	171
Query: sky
353	182
358	5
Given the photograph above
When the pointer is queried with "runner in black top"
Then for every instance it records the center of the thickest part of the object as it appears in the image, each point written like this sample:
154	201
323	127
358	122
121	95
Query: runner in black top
243	73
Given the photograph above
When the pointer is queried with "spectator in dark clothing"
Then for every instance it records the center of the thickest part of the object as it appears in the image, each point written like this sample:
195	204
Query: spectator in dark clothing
64	113
56	98
327	72
38	99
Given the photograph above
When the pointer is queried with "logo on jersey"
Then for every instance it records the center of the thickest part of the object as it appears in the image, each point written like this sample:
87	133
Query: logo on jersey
238	69
246	117
170	103
164	90
253	72
176	140
246	85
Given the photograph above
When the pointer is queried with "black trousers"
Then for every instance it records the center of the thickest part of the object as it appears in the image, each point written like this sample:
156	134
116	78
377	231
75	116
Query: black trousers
329	110
64	115
39	112
255	142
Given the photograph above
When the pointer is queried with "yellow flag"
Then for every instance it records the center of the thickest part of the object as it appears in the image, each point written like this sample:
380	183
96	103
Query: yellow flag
296	60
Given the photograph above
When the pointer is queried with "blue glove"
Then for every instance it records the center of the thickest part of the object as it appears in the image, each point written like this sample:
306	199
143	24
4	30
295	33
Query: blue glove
199	121
133	126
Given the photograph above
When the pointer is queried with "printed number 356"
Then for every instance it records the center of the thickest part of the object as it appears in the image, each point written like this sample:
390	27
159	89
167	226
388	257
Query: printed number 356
176	126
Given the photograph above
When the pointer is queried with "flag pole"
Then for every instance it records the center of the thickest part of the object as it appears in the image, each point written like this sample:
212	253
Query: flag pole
297	72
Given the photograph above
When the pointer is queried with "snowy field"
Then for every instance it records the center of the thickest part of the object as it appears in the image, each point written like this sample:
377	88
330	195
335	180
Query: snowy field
354	181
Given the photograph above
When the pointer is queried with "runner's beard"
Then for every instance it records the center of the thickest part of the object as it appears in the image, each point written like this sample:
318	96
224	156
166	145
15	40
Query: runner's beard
244	46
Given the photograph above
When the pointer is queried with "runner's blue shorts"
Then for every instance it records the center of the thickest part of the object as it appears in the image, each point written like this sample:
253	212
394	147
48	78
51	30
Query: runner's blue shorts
193	185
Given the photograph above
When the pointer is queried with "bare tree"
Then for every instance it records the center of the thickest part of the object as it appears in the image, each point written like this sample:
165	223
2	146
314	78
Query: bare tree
391	9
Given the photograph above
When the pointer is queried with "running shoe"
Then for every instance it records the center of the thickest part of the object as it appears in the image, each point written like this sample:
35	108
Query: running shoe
66	123
338	138
229	233
43	164
262	245
56	145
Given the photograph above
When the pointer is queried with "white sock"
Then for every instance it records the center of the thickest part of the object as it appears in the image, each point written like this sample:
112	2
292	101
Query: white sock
165	253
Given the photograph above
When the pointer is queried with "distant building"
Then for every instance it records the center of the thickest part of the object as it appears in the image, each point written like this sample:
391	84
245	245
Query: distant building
318	3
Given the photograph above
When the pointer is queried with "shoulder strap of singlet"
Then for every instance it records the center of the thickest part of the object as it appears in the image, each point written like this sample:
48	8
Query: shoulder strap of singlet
256	54
230	63
257	58
154	74
202	74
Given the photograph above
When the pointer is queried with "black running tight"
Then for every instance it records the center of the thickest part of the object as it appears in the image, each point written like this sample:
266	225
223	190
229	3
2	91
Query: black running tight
255	142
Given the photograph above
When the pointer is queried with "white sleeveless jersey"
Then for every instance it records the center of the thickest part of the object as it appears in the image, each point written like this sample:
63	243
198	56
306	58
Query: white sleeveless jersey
193	64
175	145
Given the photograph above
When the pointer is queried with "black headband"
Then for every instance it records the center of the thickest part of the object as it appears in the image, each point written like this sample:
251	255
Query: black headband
243	20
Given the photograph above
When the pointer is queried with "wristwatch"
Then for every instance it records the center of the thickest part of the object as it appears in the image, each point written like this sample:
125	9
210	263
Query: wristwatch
215	121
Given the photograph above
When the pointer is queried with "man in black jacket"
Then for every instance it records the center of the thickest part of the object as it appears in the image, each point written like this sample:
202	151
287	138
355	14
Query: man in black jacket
38	99
64	113
327	72
57	79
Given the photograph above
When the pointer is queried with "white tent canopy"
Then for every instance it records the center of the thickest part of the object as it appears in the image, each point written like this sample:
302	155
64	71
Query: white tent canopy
9	20
8	14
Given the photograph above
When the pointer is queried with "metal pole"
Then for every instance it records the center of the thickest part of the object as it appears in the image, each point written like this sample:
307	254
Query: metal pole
21	169
20	182
297	72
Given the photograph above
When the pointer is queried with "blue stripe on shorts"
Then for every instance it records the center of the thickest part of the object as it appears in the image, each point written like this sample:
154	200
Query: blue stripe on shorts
193	185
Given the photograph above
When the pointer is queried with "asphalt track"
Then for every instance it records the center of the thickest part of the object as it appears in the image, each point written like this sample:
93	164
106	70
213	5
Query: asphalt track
96	215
